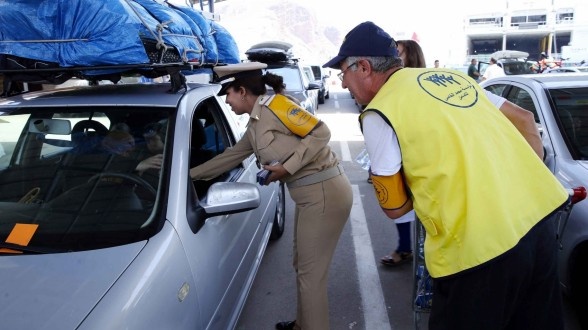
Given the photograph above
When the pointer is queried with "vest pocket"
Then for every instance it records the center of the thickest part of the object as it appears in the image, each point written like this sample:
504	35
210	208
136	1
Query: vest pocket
429	225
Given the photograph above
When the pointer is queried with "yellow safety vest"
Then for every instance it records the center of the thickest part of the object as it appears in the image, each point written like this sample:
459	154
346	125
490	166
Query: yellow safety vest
477	186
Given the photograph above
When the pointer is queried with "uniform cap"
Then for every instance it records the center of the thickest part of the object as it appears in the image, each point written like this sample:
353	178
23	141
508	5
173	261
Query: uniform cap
366	39
227	74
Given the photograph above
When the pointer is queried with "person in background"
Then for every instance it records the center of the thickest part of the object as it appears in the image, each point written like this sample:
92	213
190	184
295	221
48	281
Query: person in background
428	151
473	70
493	70
315	179
436	63
119	141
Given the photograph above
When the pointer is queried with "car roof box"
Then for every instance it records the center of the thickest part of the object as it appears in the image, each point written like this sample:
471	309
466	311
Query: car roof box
509	54
270	51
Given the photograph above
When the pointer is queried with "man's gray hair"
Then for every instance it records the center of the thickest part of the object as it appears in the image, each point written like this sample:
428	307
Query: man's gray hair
379	63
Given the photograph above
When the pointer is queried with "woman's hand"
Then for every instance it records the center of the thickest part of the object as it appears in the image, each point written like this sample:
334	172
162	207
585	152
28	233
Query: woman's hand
277	172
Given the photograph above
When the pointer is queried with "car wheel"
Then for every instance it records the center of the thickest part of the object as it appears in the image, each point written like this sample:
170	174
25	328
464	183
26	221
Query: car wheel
327	95
280	216
321	98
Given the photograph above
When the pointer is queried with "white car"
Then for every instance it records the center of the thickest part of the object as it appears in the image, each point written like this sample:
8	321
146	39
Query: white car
560	105
568	69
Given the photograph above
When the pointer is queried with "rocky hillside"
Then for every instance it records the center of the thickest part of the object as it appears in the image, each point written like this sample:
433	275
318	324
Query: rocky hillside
255	21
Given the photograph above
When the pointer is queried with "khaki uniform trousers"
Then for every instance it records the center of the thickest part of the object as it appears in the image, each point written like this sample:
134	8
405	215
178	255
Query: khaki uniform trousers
322	209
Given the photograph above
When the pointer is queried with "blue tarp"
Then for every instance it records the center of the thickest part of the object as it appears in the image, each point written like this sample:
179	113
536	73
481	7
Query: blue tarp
75	33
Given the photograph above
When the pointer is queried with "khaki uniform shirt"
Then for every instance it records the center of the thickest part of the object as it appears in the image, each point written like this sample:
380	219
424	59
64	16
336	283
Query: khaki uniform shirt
270	140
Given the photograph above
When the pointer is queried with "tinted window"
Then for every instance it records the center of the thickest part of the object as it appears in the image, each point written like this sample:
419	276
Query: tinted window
572	112
78	176
523	99
291	76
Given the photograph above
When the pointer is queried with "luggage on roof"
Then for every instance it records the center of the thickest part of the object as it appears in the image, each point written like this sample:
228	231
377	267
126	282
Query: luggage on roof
96	39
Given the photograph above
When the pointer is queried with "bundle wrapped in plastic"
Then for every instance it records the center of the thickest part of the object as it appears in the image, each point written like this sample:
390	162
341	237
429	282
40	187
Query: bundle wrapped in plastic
86	33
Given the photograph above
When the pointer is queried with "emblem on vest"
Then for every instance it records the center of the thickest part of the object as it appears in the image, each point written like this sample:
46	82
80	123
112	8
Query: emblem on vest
449	87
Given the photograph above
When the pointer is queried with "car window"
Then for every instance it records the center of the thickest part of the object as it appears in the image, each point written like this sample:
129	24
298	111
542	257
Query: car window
309	74
211	134
497	89
291	75
516	67
78	175
572	114
317	72
523	99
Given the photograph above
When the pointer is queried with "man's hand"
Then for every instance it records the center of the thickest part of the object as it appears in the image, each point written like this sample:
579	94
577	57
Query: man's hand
151	163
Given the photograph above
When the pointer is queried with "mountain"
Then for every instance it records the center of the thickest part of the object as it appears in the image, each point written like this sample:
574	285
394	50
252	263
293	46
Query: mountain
255	21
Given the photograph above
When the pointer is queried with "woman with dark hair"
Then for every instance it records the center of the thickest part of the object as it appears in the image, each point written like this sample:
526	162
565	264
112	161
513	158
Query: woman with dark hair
411	53
280	130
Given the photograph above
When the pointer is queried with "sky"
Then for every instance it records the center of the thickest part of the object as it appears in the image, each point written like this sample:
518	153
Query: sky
438	24
435	31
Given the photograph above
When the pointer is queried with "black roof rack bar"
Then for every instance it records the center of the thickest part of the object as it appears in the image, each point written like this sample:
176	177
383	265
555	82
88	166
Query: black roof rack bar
181	66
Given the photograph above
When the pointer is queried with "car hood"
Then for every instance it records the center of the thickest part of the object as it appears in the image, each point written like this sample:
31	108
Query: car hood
57	291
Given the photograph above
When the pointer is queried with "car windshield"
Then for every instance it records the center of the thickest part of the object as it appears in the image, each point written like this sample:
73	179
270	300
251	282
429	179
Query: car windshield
571	105
291	77
77	179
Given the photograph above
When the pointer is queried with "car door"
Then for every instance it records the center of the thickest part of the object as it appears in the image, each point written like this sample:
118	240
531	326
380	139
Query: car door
223	251
526	97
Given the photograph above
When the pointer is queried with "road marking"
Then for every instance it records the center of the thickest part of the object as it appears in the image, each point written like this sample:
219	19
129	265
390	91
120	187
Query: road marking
345	153
372	297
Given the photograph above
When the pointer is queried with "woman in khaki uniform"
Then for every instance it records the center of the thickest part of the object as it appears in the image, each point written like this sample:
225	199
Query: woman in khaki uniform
279	129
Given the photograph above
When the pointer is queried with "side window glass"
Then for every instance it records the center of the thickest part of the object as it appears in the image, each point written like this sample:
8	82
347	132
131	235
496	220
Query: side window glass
209	129
523	99
210	135
496	89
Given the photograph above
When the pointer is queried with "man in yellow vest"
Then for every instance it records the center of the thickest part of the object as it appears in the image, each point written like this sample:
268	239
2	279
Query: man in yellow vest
486	200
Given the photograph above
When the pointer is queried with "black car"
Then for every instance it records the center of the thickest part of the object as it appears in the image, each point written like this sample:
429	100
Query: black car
280	60
322	77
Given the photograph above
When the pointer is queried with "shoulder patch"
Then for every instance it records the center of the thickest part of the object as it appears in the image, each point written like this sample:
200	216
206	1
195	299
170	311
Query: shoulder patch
294	117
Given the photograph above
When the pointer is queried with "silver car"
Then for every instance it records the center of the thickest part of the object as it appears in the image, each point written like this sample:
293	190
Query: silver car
101	226
560	105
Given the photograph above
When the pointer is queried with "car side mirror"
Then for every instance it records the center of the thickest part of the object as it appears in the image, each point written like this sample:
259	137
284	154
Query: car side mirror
230	197
314	85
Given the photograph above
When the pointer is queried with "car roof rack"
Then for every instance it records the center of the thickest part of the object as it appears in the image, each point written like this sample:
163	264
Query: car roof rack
112	73
151	40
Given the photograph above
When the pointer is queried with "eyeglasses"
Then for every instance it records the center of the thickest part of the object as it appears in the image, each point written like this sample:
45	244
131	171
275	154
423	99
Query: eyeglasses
341	74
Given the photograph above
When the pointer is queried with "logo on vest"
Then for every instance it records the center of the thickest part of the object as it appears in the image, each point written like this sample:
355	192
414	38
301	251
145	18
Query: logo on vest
449	87
297	116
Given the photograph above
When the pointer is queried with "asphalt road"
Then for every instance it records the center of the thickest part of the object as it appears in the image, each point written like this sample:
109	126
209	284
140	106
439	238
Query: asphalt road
363	294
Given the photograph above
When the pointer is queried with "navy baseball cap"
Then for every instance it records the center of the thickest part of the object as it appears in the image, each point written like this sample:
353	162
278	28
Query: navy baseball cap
366	39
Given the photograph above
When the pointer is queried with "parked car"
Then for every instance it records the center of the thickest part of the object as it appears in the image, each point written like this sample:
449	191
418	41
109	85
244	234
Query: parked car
281	61
568	69
310	76
559	104
513	62
90	240
321	76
